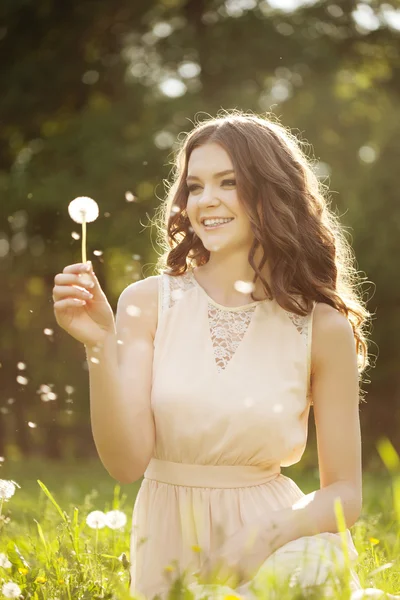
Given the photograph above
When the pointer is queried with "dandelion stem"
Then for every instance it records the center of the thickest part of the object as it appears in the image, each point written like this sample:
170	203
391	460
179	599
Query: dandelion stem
84	239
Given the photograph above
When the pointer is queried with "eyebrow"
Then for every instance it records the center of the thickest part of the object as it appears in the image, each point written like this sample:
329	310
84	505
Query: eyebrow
216	175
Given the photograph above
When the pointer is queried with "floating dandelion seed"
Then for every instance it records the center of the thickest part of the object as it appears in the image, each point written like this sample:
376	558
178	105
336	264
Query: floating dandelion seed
44	389
96	519
11	590
69	389
83	210
22	380
48	331
245	287
133	311
115	519
97	252
129	197
75	235
21	366
32	425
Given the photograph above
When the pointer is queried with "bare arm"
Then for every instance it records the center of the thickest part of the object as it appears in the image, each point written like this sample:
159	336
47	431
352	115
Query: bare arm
120	385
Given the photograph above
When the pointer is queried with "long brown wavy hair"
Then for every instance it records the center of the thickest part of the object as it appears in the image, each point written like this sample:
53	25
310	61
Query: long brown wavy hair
302	239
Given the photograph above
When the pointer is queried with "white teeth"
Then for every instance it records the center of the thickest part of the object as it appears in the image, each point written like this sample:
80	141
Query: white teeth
208	222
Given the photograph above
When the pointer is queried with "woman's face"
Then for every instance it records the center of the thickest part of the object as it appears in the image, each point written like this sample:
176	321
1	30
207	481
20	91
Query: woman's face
212	193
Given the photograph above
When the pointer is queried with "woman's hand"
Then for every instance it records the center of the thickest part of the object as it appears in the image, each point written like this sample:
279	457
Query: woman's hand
238	559
80	305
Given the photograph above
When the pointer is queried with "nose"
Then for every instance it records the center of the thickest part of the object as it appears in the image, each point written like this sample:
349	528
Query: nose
208	198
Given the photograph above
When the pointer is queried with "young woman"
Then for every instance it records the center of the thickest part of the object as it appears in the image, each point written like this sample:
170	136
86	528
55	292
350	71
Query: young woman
204	383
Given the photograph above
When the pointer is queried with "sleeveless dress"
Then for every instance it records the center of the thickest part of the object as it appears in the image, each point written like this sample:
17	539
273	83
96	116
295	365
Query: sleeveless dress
230	398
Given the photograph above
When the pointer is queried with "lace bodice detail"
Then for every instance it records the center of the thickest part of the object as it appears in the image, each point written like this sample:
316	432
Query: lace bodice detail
227	326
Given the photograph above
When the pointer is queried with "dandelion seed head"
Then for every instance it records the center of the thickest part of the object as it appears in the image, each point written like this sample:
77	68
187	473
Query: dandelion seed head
83	209
96	519
7	489
116	519
11	590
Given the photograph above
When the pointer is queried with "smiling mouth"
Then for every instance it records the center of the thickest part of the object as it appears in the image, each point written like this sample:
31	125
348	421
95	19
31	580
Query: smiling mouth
217	226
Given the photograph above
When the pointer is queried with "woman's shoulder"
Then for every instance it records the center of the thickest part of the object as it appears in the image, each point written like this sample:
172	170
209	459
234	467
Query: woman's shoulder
331	331
328	319
142	295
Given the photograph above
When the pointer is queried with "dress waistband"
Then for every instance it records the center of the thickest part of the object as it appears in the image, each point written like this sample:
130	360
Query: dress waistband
213	476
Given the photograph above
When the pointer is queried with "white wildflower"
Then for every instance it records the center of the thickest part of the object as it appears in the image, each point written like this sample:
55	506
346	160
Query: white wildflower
83	209
115	519
7	489
4	562
10	590
96	519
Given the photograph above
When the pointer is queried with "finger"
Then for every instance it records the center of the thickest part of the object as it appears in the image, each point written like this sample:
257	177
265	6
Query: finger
68	302
73	279
77	268
70	291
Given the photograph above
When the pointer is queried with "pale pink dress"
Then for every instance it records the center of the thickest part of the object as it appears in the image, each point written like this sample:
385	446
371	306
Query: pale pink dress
231	405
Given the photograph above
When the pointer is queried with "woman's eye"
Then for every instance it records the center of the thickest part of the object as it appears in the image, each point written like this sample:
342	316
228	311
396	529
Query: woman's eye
191	188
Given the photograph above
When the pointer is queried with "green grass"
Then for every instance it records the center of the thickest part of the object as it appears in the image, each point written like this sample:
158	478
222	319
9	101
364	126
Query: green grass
55	555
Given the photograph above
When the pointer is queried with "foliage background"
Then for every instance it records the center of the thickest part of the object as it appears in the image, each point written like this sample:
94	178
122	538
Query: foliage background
94	95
